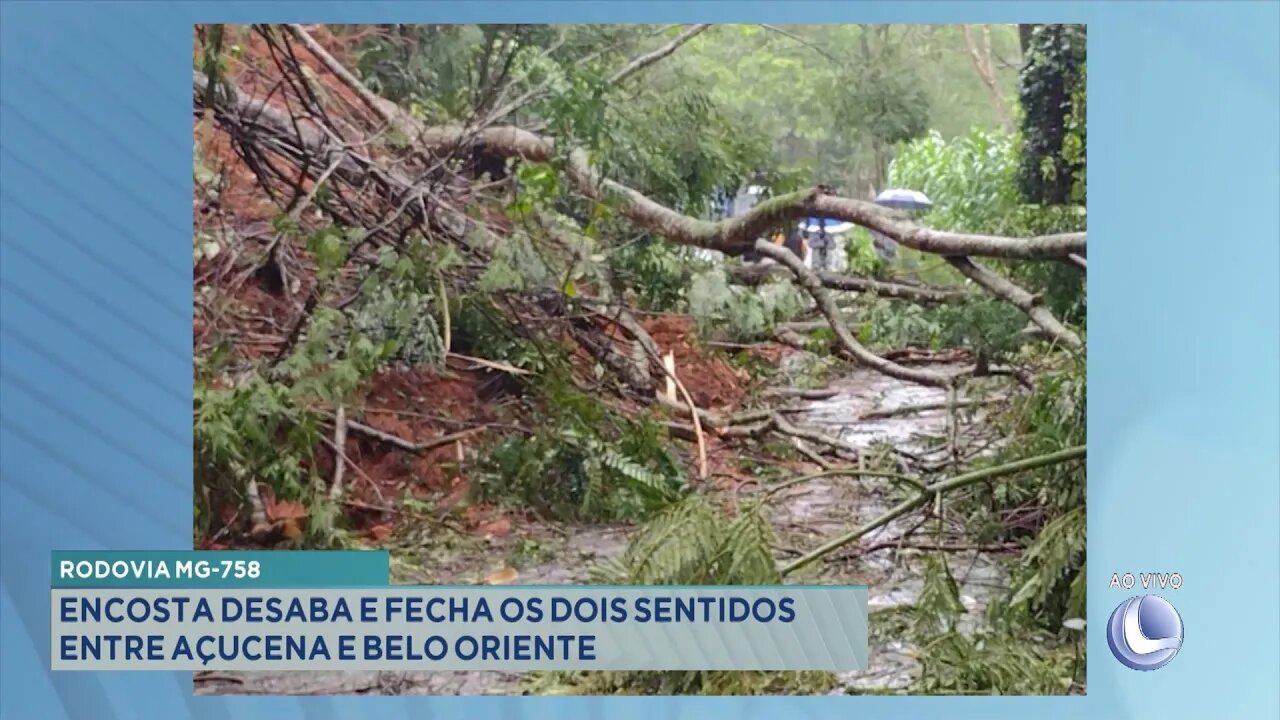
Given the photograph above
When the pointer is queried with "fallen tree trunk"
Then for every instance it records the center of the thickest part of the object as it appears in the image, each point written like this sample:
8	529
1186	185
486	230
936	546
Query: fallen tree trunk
1028	303
733	236
758	274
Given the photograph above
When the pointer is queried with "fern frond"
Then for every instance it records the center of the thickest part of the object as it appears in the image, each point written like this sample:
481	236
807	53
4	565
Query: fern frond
640	477
671	548
1052	556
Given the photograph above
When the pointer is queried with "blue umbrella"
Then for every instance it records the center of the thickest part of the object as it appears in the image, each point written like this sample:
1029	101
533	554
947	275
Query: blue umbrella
830	225
903	199
900	199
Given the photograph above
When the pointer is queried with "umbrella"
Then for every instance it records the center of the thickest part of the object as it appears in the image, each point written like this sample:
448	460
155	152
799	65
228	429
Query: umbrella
900	199
904	199
830	225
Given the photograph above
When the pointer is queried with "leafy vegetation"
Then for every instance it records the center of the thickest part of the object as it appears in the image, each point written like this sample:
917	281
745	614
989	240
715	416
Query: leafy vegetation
973	182
480	321
837	98
267	428
584	462
1053	79
693	543
1027	645
740	313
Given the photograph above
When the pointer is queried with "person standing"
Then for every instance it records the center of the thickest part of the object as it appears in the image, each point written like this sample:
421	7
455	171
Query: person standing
820	241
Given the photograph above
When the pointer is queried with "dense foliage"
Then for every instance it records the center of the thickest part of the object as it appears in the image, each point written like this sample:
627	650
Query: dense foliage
1052	94
565	438
973	182
835	99
583	462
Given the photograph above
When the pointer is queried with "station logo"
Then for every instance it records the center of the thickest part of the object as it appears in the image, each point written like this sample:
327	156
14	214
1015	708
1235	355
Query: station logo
1145	632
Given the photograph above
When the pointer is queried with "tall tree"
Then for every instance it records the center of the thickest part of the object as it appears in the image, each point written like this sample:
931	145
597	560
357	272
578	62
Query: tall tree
1052	94
1025	31
984	64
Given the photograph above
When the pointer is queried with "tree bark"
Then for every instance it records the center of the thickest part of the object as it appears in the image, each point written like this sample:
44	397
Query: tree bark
985	67
732	236
752	275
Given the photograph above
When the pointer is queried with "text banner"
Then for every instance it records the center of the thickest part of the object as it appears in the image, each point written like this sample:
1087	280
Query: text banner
510	628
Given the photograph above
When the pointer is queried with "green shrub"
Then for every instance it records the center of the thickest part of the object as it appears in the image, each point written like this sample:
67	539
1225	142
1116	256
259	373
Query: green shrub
692	543
581	462
973	183
741	313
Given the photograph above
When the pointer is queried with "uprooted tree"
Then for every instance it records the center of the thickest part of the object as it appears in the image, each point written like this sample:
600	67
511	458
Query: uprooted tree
450	195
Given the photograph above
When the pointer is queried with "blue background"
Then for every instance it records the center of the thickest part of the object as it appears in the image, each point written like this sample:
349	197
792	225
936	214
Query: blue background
95	292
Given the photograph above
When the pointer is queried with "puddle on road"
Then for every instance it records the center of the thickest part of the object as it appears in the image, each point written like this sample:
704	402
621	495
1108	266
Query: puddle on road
826	507
804	516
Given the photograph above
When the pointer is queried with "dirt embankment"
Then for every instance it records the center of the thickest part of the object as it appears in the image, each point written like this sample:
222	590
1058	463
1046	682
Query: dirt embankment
452	411
241	301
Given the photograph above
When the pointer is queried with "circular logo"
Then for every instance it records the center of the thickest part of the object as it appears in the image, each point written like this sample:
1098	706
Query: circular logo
1145	632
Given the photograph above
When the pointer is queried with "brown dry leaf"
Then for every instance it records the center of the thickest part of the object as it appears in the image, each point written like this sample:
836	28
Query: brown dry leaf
379	533
267	494
473	515
292	528
498	528
505	576
286	510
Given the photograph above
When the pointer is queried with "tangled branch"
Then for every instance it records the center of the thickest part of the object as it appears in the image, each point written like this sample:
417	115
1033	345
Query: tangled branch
300	144
930	492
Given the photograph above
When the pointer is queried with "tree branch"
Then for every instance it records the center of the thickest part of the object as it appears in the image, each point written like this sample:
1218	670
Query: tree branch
1019	298
773	491
733	236
408	446
752	275
381	107
927	407
928	494
643	61
810	282
804	42
986	72
339	458
632	67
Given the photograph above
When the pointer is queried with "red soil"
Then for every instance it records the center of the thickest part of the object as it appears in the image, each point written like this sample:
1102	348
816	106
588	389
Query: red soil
712	383
414	405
